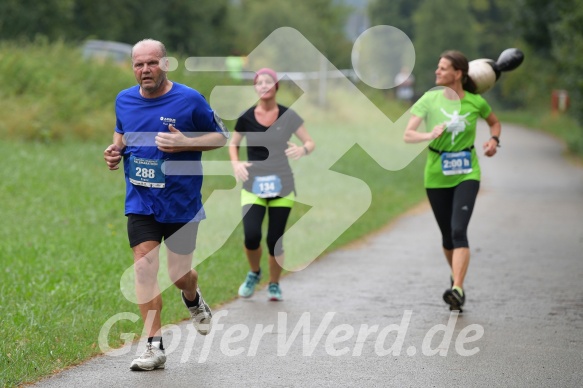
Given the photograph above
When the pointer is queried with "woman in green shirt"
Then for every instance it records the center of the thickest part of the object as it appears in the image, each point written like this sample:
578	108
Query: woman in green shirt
452	171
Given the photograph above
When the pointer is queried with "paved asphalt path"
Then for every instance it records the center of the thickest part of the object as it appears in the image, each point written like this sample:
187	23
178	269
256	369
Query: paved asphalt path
372	315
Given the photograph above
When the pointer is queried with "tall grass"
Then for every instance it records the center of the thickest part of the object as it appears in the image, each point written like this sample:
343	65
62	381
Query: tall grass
50	93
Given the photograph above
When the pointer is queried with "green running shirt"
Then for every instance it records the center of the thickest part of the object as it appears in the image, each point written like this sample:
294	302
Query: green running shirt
460	117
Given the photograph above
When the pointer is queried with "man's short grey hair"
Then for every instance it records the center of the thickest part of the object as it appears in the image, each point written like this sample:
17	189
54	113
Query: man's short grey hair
160	45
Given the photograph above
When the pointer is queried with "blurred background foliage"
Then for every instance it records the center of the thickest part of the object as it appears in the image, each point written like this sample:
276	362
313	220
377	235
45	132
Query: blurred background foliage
548	32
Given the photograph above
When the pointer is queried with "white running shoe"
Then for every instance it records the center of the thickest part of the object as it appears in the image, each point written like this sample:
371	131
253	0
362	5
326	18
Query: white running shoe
152	358
201	315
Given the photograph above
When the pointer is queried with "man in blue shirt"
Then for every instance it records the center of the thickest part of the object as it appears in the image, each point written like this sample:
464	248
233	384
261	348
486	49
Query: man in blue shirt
162	127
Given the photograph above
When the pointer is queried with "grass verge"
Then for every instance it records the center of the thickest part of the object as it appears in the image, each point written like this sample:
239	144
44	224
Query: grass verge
66	247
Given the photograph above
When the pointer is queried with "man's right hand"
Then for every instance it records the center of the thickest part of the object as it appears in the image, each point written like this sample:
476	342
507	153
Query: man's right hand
112	156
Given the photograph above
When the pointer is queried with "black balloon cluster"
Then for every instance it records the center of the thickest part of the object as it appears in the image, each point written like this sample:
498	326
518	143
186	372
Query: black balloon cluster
485	72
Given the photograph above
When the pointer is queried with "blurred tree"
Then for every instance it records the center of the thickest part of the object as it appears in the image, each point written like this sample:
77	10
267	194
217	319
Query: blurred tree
193	28
552	31
534	22
567	50
28	19
495	26
396	13
497	31
441	25
106	20
320	21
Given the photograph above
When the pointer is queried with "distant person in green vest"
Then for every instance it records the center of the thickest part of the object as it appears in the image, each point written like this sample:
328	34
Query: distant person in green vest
235	64
452	171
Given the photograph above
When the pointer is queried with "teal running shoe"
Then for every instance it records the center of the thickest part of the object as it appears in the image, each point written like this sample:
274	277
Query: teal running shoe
248	287
274	292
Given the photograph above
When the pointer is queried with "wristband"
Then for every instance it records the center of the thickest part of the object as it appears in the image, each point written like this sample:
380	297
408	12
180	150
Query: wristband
305	150
497	140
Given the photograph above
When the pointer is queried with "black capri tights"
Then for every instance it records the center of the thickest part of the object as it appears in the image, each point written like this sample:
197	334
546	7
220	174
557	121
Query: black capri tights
253	219
453	208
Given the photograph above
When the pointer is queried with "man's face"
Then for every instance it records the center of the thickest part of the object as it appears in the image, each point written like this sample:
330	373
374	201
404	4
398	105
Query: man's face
148	65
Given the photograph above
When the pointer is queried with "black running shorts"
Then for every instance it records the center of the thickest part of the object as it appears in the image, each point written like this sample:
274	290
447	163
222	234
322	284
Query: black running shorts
179	238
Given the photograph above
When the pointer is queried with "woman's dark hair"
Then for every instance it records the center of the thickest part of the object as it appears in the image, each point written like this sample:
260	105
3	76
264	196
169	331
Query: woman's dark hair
460	62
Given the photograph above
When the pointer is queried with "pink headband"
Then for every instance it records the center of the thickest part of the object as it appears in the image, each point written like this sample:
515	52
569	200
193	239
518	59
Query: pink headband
270	73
